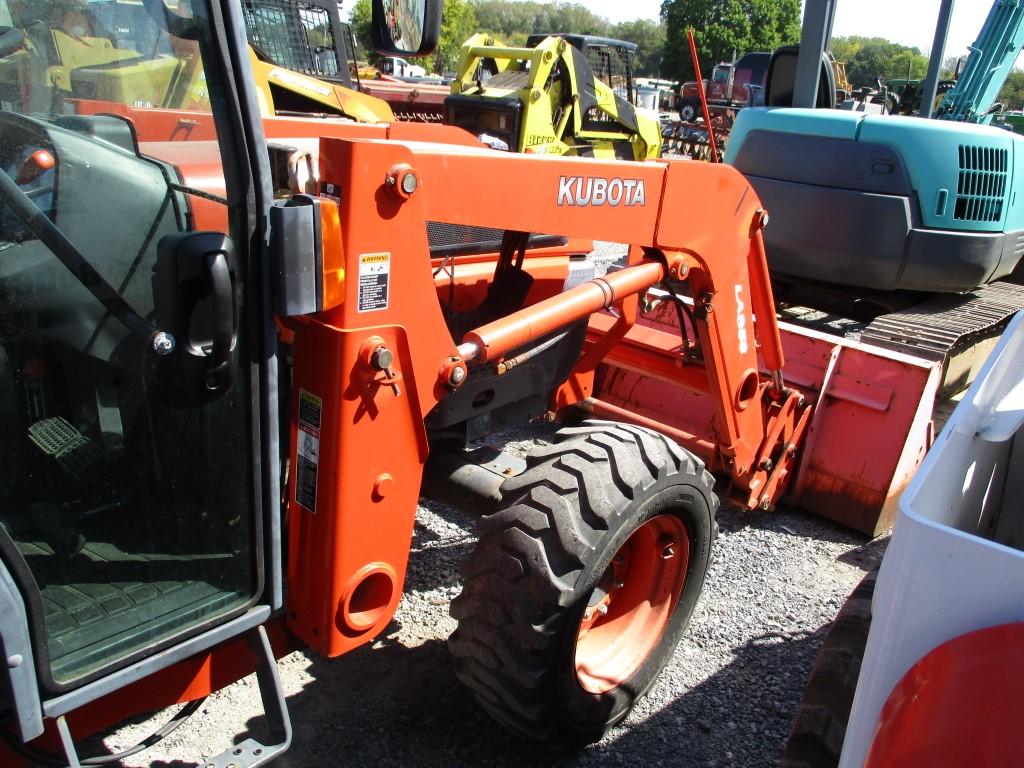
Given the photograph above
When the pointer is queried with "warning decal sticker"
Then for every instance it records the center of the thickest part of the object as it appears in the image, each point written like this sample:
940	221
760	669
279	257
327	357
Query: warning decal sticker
307	450
374	276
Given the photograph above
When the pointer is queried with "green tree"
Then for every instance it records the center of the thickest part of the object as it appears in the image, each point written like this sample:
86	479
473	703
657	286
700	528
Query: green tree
361	20
724	27
1012	93
650	37
505	18
773	23
458	23
870	58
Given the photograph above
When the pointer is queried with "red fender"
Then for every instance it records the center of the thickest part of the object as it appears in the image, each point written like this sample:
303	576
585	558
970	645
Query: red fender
959	705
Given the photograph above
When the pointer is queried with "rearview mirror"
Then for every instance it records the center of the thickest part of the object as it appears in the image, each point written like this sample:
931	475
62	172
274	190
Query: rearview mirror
406	27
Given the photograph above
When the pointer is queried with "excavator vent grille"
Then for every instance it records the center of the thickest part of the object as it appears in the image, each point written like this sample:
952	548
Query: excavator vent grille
981	187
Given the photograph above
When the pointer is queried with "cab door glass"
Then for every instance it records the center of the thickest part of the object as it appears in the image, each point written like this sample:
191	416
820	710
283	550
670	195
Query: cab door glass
126	500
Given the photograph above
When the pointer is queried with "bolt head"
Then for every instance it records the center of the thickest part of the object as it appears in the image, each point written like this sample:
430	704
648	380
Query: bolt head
382	358
163	343
457	376
410	182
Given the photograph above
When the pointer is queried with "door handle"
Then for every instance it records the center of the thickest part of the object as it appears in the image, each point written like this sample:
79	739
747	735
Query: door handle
224	332
196	304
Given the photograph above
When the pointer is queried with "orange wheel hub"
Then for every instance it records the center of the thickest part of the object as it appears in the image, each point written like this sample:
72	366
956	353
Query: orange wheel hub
631	605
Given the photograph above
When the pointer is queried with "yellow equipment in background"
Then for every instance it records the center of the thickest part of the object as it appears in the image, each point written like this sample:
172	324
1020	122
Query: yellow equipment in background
563	95
75	59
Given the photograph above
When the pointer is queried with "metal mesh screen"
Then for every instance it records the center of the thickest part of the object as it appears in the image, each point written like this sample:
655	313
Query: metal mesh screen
293	34
447	239
613	67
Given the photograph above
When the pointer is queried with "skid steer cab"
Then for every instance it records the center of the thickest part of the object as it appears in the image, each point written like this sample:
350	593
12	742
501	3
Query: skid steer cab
236	349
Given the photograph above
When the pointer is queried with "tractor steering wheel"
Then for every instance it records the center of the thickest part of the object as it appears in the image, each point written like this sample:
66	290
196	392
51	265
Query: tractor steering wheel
11	39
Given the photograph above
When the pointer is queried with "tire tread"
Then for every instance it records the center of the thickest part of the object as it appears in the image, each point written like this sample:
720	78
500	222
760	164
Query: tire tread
551	517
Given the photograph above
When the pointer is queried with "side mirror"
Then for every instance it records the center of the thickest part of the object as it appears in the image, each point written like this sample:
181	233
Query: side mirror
781	80
406	27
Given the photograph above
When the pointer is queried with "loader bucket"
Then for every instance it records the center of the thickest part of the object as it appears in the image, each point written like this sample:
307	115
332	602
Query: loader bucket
869	429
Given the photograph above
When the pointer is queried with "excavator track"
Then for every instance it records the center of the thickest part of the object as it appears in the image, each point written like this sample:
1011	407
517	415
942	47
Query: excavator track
962	329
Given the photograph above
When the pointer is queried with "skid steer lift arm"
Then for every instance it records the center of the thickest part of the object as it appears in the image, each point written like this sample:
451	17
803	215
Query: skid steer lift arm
377	359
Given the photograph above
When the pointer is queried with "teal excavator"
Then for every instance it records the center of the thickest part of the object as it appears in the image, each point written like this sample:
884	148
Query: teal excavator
907	224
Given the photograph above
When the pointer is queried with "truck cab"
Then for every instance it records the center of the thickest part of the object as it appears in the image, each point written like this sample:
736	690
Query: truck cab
732	85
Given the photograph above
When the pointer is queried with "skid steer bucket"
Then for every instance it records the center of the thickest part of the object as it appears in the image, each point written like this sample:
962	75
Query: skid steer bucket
868	432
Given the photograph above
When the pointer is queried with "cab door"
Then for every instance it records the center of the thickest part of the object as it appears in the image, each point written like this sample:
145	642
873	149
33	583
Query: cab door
138	437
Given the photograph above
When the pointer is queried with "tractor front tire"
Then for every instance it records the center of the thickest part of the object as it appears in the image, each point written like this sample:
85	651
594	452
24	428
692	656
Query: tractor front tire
688	111
583	581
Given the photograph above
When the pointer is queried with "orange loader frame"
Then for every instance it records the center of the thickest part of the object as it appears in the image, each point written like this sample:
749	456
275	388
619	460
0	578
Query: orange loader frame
365	376
686	223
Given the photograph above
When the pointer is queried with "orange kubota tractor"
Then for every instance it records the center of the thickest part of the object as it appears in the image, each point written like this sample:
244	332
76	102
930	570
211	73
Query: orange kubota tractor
219	394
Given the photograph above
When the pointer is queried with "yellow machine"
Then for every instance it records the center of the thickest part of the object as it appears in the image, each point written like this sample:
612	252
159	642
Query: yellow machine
562	95
74	59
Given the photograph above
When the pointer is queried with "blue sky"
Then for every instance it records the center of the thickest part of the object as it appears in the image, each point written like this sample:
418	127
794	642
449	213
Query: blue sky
911	22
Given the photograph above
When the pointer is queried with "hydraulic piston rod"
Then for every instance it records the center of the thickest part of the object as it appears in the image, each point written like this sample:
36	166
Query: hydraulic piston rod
502	336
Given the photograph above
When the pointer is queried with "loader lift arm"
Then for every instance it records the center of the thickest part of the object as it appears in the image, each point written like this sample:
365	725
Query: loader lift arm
692	225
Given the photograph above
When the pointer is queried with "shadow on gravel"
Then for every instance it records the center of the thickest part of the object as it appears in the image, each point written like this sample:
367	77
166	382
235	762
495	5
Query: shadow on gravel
739	716
389	705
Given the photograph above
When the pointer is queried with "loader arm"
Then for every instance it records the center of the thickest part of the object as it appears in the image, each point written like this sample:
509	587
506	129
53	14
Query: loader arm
694	227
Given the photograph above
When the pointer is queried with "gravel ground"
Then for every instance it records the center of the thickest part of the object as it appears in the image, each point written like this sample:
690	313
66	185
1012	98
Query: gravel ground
726	698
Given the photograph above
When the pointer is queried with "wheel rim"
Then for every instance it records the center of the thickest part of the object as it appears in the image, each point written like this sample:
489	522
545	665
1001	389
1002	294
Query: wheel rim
632	603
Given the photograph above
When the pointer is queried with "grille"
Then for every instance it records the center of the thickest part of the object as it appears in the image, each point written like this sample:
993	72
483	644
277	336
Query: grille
981	186
295	35
447	239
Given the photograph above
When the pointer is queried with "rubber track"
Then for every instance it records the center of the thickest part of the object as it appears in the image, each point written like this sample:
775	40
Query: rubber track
819	728
945	324
532	551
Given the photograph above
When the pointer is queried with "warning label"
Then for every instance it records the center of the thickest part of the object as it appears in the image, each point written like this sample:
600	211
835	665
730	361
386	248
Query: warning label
374	275
307	461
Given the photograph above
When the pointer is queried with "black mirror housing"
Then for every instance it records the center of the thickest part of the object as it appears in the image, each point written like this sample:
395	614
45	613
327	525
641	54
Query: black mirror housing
406	27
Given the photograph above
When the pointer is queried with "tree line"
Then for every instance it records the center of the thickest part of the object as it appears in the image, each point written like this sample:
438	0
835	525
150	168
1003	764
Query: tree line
724	28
